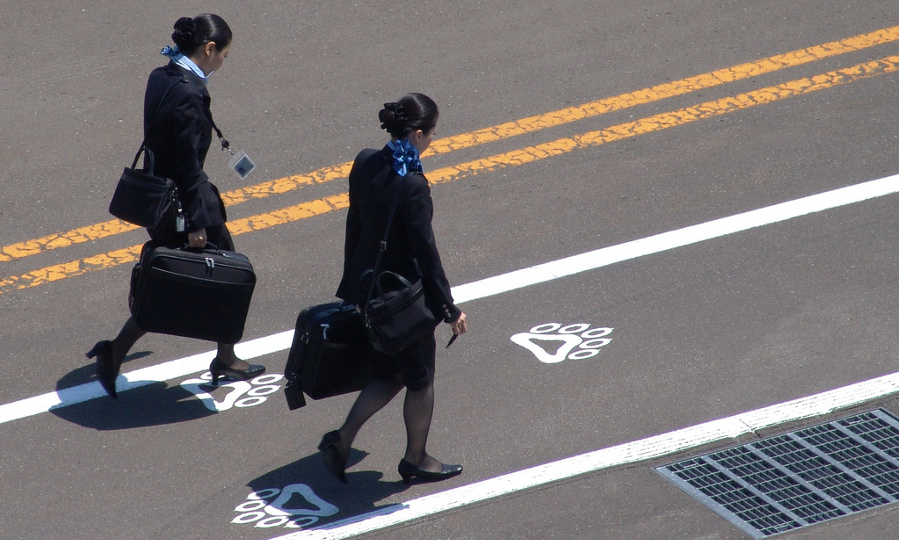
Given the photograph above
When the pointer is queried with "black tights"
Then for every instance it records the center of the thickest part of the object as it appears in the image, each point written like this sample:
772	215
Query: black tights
418	409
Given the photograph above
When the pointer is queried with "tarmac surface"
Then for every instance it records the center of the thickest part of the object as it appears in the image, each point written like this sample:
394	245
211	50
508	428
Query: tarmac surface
578	128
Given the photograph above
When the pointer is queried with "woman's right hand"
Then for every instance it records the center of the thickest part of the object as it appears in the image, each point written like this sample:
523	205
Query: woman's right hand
197	239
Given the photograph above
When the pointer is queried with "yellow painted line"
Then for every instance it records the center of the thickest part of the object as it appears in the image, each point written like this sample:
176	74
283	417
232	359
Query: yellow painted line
667	120
288	215
494	133
667	90
66	239
515	158
131	254
113	227
290	183
70	269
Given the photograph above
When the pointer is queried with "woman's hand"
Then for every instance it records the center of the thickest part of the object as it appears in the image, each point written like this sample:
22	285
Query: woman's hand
460	326
197	239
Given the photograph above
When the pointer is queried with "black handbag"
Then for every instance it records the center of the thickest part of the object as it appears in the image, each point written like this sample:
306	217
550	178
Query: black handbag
399	316
143	198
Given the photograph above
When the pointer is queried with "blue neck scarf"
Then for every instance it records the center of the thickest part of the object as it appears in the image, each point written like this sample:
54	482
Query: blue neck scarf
405	157
185	62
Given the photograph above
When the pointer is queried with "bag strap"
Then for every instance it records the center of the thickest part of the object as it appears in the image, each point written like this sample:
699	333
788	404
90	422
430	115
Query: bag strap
383	247
225	144
143	144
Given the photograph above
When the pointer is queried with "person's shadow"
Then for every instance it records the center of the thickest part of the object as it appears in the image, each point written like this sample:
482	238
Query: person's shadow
308	496
151	405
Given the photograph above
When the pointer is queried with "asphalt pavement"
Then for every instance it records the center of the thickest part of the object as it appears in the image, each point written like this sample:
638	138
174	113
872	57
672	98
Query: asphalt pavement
584	155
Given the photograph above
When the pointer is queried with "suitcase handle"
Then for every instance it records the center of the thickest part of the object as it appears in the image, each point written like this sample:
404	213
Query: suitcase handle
209	245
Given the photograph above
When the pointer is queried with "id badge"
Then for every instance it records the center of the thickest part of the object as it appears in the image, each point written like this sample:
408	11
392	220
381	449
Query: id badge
179	223
242	164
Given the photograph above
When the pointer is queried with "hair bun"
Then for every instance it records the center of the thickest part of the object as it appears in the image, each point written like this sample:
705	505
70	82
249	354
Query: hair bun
391	116
185	32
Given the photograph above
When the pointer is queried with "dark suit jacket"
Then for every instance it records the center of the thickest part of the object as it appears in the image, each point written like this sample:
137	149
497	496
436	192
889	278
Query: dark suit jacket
411	248
180	138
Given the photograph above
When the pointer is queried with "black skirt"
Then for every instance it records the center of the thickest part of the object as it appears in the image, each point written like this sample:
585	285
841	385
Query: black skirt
415	363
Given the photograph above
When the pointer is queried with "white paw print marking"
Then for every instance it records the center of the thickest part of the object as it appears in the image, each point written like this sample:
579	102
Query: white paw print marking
241	394
294	507
578	336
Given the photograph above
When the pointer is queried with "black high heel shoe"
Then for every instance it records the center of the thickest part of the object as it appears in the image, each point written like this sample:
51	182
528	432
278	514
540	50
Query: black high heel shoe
221	369
107	371
334	461
409	471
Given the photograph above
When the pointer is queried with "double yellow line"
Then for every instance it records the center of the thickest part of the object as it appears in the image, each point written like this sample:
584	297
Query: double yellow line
500	161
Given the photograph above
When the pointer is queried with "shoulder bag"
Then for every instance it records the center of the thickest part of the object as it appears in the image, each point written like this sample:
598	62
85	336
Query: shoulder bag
143	198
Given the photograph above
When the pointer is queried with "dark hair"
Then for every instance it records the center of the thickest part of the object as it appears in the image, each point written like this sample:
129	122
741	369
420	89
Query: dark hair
412	112
191	34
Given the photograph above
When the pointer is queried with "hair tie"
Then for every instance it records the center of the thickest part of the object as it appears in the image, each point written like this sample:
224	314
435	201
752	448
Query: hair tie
392	116
185	29
397	110
186	25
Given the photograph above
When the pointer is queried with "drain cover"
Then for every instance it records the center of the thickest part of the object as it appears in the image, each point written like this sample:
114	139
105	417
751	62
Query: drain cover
797	479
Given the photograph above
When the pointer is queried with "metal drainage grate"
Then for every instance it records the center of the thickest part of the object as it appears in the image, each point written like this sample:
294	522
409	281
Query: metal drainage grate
800	478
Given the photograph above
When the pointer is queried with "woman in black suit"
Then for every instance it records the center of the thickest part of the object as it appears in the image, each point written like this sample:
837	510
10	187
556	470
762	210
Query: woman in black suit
375	180
179	136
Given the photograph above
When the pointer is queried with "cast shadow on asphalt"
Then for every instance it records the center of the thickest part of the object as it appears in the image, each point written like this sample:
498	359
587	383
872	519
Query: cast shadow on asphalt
359	496
151	405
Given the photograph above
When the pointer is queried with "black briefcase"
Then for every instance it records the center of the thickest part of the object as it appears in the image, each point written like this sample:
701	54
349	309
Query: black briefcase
330	354
203	294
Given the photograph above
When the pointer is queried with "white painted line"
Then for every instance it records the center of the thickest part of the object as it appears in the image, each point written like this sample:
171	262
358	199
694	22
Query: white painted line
674	239
627	453
141	377
484	288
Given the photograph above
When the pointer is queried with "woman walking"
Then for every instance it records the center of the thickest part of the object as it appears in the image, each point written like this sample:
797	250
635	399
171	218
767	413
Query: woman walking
376	179
178	130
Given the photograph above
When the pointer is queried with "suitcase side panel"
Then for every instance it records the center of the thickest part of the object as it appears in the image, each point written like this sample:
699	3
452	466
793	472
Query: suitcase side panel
181	293
330	353
307	320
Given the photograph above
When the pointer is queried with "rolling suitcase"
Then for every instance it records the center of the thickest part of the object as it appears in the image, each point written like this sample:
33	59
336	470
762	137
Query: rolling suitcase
329	356
203	294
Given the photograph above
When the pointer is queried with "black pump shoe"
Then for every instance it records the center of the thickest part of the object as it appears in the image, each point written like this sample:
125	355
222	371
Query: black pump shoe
334	461
409	471
221	369
107	371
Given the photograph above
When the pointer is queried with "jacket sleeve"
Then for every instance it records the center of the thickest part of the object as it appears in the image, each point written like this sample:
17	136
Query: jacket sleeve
199	197
416	214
